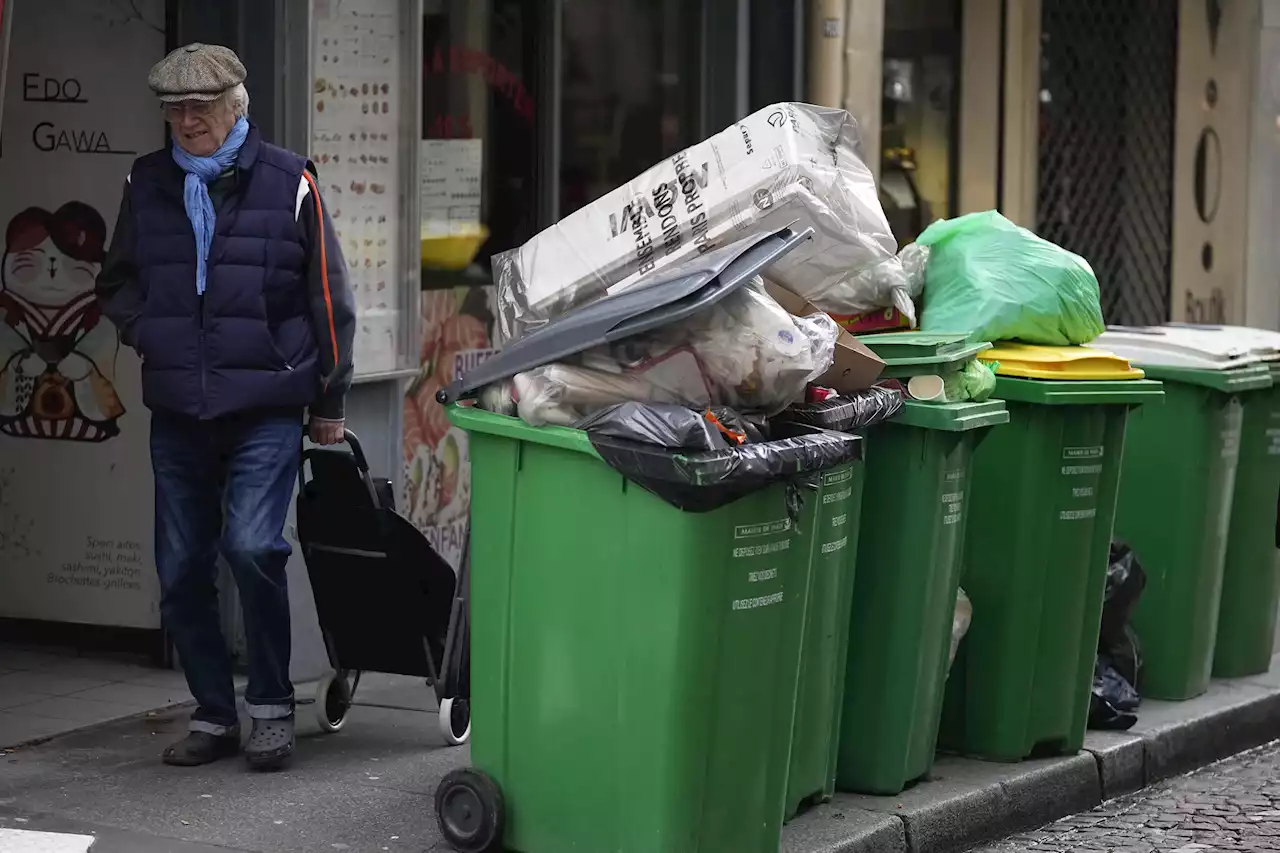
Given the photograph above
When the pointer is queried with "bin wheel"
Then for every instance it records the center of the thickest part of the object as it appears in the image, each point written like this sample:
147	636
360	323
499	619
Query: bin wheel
455	720
331	707
471	812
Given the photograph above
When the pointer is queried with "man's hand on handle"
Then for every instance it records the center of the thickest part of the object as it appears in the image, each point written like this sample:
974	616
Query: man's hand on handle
324	431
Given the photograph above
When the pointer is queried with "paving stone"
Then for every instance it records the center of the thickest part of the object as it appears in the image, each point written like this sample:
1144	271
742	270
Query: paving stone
1233	805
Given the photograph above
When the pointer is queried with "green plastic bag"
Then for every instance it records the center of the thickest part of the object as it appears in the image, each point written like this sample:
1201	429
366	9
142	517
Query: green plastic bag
973	384
1003	283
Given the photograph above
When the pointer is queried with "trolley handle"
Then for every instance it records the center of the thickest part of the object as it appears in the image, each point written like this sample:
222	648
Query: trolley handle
356	450
362	463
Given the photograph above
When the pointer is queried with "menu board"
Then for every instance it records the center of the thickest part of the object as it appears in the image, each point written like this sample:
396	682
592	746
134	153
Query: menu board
357	111
450	176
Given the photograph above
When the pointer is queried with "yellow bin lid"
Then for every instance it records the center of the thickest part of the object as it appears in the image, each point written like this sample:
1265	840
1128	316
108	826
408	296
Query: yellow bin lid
1062	363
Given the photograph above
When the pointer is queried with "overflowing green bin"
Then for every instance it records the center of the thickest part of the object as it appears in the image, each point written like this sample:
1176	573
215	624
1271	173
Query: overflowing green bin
1037	549
1175	509
908	567
635	667
828	532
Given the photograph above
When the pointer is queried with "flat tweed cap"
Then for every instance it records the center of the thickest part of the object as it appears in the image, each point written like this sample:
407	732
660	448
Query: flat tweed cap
197	72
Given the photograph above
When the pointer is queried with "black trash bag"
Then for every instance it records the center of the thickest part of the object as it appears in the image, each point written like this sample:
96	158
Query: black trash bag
701	481
1116	639
672	427
1117	677
842	414
1112	705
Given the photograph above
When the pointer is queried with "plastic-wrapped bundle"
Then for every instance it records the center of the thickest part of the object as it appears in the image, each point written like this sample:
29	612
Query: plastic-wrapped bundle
788	164
863	409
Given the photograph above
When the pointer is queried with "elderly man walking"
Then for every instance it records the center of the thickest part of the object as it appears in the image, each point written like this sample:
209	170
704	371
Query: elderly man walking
225	274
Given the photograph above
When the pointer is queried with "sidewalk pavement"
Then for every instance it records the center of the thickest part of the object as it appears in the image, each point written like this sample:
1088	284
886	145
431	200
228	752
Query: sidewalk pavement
371	787
968	803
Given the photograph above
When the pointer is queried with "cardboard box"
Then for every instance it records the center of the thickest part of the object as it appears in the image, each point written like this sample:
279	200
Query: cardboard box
888	320
855	367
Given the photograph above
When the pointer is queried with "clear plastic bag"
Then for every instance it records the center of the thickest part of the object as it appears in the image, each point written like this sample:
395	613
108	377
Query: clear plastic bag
745	352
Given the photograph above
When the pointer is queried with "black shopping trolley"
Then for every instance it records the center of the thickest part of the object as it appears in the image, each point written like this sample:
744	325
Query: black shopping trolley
386	601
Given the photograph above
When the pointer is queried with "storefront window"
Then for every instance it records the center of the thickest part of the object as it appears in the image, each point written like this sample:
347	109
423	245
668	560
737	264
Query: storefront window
918	155
631	75
361	142
478	197
479	119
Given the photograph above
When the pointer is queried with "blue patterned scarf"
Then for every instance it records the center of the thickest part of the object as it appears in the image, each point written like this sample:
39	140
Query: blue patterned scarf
195	191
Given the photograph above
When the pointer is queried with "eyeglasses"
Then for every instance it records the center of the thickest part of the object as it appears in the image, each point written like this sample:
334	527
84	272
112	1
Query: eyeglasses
195	109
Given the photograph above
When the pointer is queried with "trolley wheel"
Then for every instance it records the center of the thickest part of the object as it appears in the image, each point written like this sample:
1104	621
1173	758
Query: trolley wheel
471	812
331	707
455	720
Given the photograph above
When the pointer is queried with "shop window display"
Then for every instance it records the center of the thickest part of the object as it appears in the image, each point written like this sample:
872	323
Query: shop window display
477	197
631	74
358	145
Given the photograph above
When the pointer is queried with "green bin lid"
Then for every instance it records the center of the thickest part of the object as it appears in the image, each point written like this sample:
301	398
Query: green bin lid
952	417
1081	392
1255	377
913	353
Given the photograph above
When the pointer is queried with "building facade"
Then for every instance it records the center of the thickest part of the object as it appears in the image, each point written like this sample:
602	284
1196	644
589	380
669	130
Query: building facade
1142	134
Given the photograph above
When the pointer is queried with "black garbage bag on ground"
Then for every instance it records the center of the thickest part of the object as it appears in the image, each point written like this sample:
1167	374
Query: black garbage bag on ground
842	414
1117	677
705	480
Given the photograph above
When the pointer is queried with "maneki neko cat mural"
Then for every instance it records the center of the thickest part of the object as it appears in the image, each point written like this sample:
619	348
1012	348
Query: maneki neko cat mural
57	351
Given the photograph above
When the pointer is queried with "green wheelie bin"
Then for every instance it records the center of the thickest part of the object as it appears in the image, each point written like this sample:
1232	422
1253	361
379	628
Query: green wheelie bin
1251	571
1175	508
828	531
1037	549
634	667
915	501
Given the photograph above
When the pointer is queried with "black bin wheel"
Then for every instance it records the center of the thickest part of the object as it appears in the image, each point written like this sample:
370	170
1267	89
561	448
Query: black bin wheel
471	812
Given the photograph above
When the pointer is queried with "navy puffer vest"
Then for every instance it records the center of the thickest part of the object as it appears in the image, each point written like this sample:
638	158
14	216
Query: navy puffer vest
250	345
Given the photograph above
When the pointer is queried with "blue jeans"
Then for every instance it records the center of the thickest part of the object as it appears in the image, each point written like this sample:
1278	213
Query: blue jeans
226	485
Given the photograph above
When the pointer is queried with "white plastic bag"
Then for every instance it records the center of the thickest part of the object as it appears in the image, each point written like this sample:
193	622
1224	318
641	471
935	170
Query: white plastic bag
746	352
960	622
785	165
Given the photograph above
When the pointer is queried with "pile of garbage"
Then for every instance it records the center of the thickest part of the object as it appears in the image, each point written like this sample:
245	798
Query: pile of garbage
737	295
694	322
